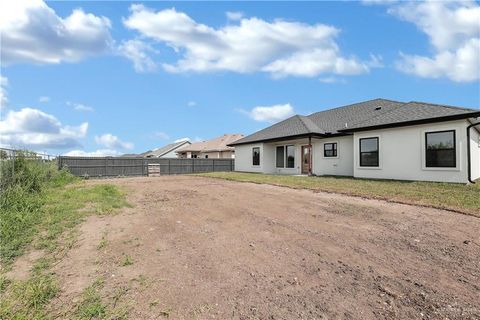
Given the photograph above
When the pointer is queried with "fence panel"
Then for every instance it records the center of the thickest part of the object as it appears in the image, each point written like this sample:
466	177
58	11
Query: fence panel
128	166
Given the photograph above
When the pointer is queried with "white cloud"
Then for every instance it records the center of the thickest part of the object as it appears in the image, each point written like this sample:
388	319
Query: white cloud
161	135
3	93
44	99
32	32
191	103
33	128
96	153
271	113
182	139
453	29
113	142
281	48
234	15
80	107
138	52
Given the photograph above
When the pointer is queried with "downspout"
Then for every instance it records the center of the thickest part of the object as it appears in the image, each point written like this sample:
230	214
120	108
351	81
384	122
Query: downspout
310	155
469	160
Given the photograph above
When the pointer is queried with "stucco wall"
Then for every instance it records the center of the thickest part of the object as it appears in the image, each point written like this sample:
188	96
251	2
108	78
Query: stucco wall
475	152
271	156
342	165
402	154
243	158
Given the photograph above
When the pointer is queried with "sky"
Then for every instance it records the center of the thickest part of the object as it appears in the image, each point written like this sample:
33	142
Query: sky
116	77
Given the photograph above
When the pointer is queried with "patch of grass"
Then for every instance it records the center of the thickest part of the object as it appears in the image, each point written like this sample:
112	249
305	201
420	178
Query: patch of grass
91	305
67	207
458	197
42	199
41	265
127	261
26	299
103	242
4	283
42	205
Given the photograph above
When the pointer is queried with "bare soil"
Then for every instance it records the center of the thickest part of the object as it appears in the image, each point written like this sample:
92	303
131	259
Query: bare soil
204	248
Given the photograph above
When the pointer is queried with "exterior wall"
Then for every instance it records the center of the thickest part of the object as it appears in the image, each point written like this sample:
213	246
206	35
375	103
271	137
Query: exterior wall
402	154
243	158
475	152
341	165
271	149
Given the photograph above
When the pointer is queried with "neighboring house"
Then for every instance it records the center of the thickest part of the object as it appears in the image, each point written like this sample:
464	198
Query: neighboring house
168	151
215	148
380	139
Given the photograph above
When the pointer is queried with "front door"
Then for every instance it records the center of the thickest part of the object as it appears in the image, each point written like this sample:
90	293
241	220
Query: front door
306	158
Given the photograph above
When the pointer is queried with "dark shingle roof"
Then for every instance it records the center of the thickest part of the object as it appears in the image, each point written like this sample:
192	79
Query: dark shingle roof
368	114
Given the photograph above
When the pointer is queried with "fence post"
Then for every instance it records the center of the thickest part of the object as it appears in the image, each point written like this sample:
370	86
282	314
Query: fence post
231	164
105	174
213	165
168	165
193	165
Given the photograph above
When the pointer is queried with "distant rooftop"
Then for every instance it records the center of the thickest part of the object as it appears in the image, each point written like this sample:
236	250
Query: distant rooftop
217	144
165	149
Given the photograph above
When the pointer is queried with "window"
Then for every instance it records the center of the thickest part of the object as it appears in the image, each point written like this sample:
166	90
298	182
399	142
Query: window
290	152
206	156
369	152
256	156
330	150
280	156
440	149
285	156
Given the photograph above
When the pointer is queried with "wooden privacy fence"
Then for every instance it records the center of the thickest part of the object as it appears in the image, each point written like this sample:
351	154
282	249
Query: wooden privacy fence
127	166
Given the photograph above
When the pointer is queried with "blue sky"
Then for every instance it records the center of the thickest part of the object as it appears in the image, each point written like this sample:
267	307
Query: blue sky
121	77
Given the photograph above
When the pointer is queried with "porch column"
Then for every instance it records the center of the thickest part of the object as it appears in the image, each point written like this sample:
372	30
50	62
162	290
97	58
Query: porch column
310	155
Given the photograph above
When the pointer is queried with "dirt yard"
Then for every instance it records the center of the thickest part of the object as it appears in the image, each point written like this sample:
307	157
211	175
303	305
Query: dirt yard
202	248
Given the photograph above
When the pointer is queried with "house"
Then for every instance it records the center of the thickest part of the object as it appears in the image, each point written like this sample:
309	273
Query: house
215	148
168	151
378	139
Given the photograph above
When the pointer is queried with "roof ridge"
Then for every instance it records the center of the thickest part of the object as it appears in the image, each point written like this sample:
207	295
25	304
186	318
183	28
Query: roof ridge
382	113
440	105
352	104
310	126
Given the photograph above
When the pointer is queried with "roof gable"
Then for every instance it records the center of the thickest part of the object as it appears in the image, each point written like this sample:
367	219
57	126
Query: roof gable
165	149
217	144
